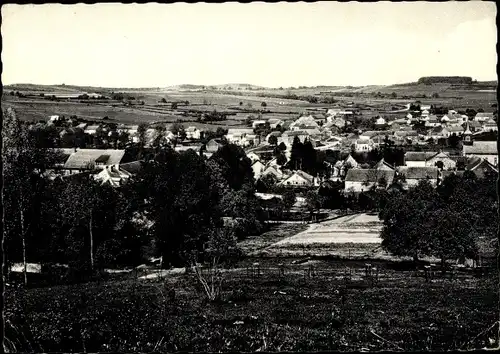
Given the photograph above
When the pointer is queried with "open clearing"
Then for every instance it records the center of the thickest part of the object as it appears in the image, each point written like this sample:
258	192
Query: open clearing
361	228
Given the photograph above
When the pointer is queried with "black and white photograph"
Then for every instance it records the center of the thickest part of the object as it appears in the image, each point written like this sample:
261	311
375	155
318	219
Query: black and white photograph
250	177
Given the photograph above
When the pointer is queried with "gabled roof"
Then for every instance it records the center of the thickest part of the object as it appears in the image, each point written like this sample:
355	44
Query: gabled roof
481	147
419	155
419	172
369	175
382	165
484	115
82	157
132	167
480	163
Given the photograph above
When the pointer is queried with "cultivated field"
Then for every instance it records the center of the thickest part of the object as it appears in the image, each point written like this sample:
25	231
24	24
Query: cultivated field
35	108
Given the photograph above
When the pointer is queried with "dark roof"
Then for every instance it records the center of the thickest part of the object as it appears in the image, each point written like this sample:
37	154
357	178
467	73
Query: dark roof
419	172
419	155
132	167
368	175
103	158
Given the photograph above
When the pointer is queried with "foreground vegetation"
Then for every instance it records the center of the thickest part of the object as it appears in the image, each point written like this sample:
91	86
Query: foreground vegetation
292	312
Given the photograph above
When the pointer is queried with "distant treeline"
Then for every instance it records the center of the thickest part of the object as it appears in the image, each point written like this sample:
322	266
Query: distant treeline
445	80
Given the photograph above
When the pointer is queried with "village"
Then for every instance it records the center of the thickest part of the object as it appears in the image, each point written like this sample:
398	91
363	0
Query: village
433	146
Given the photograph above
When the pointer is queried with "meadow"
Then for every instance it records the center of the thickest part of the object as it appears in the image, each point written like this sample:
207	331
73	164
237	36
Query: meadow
334	307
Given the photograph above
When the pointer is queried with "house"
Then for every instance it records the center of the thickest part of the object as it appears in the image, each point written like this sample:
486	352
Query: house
475	126
304	122
112	175
240	136
406	135
382	165
90	159
490	125
272	170
363	145
438	132
458	130
425	113
253	156
274	123
483	116
487	150
433	121
91	129
339	122
213	145
257	168
333	111
193	133
418	158
441	158
359	180
380	122
413	175
54	118
257	123
299	179
481	167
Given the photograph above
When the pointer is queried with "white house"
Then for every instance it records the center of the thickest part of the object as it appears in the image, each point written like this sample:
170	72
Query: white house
54	118
444	158
193	133
257	168
363	145
380	121
91	129
418	158
299	179
240	136
253	156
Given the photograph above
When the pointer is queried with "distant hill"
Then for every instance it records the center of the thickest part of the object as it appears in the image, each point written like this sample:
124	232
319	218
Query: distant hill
424	84
428	80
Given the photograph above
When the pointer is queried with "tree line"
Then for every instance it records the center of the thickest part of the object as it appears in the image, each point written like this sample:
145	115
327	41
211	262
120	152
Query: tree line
174	207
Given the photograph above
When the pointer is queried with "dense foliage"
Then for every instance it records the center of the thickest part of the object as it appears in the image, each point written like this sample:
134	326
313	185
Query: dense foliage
173	207
446	222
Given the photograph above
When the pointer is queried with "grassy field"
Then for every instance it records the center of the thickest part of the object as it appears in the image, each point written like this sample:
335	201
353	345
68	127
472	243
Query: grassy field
229	101
336	308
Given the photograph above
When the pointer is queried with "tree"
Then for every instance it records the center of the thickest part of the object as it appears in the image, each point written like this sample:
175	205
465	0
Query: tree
263	104
273	140
289	199
236	166
163	100
23	166
178	130
182	194
282	146
313	202
435	95
81	203
174	105
141	134
406	218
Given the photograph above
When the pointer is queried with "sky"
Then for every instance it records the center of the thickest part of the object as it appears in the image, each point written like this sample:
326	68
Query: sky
267	44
